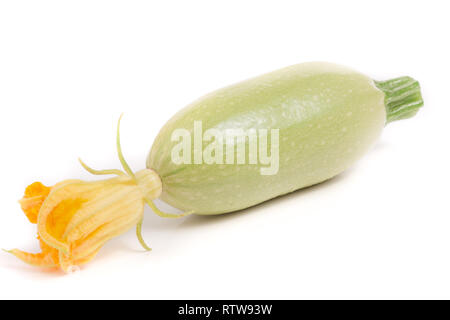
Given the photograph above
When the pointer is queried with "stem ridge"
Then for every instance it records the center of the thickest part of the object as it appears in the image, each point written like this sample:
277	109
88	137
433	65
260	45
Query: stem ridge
403	98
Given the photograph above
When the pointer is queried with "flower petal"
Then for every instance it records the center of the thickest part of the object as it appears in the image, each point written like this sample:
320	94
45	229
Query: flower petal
97	239
32	200
121	204
35	259
58	208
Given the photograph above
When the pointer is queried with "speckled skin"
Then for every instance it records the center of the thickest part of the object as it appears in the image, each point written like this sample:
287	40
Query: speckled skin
327	116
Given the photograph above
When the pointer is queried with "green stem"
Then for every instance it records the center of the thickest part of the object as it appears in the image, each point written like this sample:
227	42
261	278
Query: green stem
403	98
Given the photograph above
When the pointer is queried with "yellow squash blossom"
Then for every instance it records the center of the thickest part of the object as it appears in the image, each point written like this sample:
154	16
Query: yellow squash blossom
75	218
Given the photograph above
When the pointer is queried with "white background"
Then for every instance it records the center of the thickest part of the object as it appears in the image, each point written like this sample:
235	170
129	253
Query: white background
69	68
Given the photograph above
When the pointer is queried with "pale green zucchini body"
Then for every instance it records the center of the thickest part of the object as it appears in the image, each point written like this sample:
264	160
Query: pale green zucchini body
327	116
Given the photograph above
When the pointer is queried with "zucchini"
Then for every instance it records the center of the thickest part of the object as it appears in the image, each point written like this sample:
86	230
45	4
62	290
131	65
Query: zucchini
327	115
